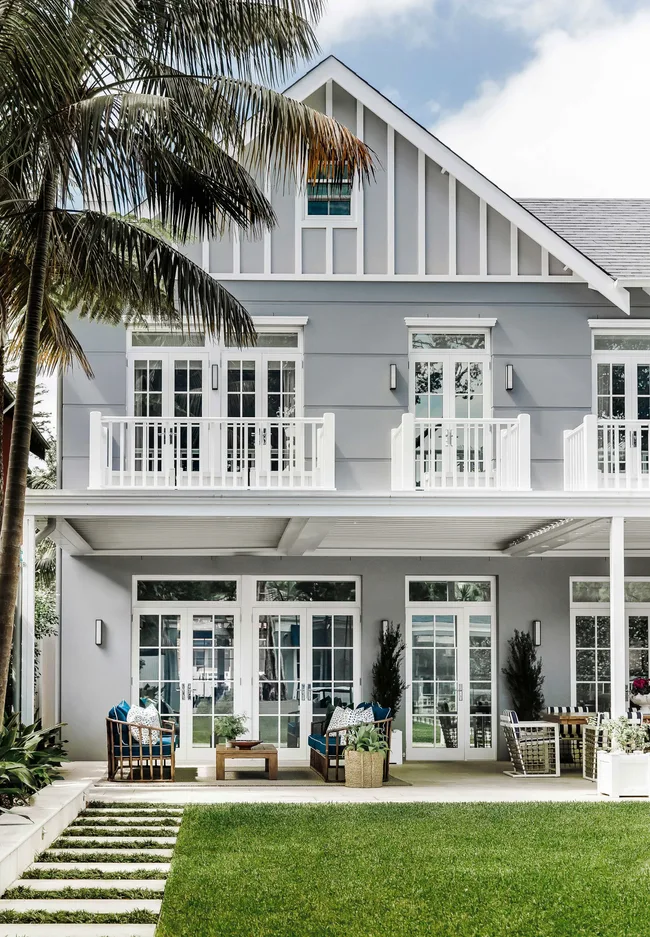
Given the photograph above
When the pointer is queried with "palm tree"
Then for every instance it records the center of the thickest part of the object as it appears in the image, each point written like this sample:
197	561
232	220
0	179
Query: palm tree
159	104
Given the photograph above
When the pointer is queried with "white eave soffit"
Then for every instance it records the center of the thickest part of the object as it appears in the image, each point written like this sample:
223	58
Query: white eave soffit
333	69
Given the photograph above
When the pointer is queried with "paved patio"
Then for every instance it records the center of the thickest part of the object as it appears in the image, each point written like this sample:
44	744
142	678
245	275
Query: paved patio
443	782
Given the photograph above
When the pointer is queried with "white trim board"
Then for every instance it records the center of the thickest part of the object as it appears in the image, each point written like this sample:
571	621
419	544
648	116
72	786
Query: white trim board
431	322
627	325
332	69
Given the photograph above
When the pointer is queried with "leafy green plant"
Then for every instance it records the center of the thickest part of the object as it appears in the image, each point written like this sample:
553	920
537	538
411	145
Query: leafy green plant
366	738
626	736
230	727
29	759
523	673
387	684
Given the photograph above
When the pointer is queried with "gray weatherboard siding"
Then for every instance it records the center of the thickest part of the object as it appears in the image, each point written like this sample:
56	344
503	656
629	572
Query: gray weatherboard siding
355	330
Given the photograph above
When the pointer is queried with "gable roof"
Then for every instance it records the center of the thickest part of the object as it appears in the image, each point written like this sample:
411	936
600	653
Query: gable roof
332	69
613	232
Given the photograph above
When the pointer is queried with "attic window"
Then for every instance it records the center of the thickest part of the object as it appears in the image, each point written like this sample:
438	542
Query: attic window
330	196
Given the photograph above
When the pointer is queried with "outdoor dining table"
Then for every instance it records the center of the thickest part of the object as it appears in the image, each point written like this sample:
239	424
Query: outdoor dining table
568	719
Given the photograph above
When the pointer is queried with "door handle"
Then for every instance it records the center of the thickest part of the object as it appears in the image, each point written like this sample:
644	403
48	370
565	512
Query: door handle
309	692
182	691
460	692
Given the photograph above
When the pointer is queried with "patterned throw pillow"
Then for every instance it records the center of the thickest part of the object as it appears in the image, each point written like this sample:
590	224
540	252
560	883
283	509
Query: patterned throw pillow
340	718
146	717
361	716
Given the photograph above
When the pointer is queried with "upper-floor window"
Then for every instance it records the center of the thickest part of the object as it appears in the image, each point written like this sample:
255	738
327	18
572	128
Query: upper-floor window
621	374
449	374
327	196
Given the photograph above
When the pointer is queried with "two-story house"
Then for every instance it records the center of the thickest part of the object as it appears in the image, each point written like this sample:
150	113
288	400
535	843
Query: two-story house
445	423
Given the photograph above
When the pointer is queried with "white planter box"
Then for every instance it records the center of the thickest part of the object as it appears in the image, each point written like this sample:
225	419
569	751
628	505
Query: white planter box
396	756
624	775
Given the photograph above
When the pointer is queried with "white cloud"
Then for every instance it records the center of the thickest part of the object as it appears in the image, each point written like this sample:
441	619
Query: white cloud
354	19
572	122
538	16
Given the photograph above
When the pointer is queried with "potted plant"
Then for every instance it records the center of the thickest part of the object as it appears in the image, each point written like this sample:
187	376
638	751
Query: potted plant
624	764
524	679
640	695
365	753
229	728
387	684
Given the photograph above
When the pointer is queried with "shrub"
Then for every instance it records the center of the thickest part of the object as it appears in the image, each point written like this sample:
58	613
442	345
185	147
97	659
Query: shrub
366	738
523	673
29	759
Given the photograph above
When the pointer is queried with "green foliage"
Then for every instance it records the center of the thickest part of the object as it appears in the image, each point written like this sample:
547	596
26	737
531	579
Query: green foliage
626	736
523	673
366	738
387	684
230	727
29	759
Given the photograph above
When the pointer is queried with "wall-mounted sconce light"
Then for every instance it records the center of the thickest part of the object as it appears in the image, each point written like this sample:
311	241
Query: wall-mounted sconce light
393	377
215	377
510	377
537	632
99	631
384	625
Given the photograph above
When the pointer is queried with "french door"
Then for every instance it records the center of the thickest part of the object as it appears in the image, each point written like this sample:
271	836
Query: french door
451	675
623	404
306	662
263	396
450	395
186	664
166	387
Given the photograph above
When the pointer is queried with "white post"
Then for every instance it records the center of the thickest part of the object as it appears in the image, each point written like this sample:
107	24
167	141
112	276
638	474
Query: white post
619	702
408	452
95	450
27	612
396	459
591	452
569	466
524	452
328	453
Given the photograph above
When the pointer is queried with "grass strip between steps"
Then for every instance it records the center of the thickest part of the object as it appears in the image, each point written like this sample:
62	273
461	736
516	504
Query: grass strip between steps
65	842
21	891
125	834
77	917
168	822
134	805
144	814
36	874
100	857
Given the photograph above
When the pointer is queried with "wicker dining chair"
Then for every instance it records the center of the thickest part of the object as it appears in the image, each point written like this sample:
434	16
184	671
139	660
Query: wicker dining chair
534	747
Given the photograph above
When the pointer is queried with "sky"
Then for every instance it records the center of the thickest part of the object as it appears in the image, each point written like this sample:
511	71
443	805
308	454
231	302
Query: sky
548	98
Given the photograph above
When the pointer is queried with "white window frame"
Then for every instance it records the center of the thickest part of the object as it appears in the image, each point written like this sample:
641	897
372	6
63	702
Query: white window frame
599	608
333	221
449	356
627	358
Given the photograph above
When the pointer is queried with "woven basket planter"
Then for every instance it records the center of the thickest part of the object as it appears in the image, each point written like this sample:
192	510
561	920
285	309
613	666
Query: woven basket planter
364	769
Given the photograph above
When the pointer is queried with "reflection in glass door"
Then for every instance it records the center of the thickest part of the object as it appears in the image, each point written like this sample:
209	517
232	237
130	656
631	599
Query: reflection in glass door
332	667
208	691
159	635
451	677
282	704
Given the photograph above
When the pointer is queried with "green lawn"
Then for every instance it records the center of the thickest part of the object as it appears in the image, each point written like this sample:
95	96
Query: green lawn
415	870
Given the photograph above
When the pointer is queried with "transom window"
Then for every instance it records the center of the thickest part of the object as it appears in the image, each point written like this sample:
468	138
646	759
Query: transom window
330	196
186	590
145	339
457	590
301	590
448	340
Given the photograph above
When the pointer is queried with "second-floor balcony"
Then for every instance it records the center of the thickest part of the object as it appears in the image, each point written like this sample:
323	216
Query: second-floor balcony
607	454
207	453
433	454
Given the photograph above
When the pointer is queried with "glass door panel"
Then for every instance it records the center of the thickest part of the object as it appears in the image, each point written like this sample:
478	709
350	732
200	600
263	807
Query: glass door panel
187	391
592	662
332	653
281	691
434	681
481	672
638	646
159	636
210	690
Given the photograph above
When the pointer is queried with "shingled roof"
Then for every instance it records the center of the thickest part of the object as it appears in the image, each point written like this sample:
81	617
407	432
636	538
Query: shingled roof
613	232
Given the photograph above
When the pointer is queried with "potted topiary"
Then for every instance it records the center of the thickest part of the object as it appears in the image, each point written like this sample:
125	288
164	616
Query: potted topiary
387	684
640	695
624	765
365	754
229	728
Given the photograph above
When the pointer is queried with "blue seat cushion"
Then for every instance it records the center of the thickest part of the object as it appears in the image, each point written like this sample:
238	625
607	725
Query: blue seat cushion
317	742
120	712
123	750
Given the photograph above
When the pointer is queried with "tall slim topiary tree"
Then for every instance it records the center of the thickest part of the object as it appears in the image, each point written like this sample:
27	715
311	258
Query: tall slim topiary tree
524	679
387	683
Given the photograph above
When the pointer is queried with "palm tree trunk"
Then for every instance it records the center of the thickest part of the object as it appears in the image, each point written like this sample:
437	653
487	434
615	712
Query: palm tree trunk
14	499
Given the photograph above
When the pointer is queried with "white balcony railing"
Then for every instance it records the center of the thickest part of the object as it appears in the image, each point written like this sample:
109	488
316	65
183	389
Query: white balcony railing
609	454
137	452
433	454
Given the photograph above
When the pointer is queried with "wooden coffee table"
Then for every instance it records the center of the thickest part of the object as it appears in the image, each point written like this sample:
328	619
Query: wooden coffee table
268	752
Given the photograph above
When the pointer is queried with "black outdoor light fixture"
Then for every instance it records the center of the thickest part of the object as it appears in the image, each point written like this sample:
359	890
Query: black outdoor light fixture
215	377
393	377
537	632
510	377
99	631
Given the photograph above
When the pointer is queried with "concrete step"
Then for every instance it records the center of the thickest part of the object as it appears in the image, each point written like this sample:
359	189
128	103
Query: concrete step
119	811
125	822
90	905
77	930
117	840
117	851
108	884
101	867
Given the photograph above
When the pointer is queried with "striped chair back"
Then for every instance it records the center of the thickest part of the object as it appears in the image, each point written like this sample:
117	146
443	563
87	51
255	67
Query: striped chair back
567	731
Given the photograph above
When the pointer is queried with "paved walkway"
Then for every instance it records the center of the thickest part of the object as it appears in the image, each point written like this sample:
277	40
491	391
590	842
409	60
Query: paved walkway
103	877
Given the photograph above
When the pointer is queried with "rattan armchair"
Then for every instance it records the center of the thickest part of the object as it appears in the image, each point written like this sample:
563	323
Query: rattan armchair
131	760
534	747
327	747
